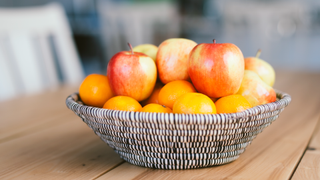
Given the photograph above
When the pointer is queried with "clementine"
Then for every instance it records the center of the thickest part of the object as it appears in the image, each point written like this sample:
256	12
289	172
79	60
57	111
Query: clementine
123	103
194	103
156	108
232	104
154	97
95	90
173	90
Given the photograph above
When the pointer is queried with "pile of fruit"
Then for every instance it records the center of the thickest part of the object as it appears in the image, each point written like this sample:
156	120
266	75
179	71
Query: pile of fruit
181	76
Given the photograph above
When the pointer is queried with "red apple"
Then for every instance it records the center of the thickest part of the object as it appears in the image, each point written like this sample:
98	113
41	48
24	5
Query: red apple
132	74
172	59
216	69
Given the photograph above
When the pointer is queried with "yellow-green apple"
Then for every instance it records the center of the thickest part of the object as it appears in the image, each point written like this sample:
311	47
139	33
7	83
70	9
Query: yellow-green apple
255	90
148	49
172	59
132	74
215	69
262	68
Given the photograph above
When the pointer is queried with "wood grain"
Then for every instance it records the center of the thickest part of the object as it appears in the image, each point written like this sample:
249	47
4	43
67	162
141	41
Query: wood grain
69	150
275	153
27	114
309	168
315	141
124	171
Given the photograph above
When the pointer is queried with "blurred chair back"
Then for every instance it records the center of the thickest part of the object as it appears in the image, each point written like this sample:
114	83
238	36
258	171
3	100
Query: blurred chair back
137	23
36	50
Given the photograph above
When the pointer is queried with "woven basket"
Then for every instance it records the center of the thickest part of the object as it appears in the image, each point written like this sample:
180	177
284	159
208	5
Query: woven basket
178	141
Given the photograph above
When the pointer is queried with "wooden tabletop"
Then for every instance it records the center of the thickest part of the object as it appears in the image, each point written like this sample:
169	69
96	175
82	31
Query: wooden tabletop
40	138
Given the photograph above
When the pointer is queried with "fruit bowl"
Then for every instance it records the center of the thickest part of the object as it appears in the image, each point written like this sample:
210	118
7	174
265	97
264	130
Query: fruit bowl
178	141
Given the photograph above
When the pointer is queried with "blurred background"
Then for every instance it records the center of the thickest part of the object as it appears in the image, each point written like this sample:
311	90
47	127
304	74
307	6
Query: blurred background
287	31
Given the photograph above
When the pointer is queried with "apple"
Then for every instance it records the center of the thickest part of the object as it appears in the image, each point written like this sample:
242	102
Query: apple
148	49
172	59
262	68
255	90
132	74
216	70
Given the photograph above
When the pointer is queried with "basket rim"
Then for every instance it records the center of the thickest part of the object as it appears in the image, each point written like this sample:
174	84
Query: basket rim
74	103
283	100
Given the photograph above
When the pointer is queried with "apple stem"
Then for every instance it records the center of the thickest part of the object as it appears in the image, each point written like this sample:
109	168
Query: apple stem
130	48
258	53
214	41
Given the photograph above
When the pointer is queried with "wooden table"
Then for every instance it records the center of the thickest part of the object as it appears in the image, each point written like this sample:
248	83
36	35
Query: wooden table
41	139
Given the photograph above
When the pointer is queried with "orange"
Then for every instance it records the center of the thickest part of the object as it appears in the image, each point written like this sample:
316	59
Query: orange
154	97
95	90
194	103
232	104
123	103
173	90
156	108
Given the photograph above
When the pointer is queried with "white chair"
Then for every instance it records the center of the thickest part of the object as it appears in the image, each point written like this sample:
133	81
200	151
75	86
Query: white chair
36	50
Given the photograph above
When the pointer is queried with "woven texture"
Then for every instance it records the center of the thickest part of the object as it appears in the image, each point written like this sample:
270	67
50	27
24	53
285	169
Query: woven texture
178	141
